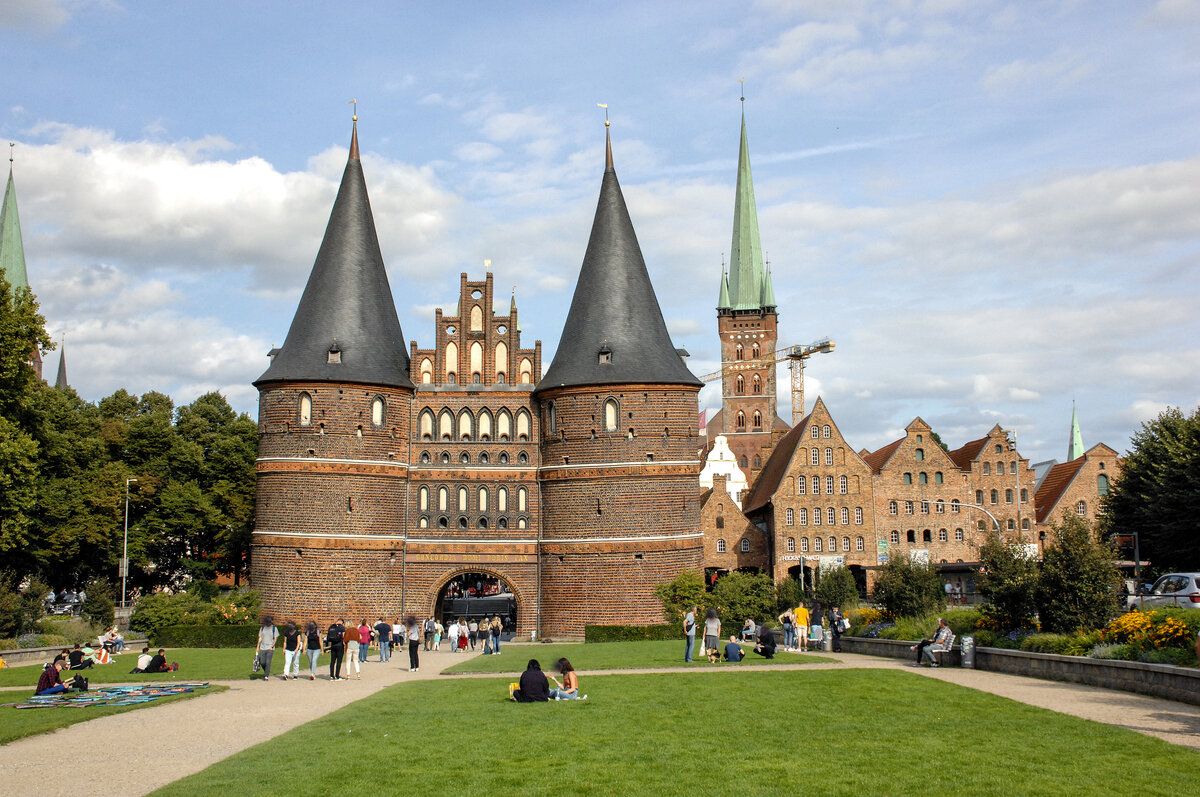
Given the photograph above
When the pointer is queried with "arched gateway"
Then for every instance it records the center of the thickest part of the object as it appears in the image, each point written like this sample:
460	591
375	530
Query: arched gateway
478	594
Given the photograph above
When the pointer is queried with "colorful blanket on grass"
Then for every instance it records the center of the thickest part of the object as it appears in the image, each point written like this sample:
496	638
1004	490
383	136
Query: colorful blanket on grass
107	696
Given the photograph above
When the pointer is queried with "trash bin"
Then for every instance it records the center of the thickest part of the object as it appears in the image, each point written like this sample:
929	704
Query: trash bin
827	642
533	635
968	652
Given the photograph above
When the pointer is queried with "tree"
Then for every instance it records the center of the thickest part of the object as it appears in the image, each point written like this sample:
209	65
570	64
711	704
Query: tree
789	593
1158	492
909	589
680	594
1077	583
1008	584
741	595
837	588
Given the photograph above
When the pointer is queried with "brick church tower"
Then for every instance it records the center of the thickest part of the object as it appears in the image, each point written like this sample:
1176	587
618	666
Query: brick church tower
620	510
747	325
335	411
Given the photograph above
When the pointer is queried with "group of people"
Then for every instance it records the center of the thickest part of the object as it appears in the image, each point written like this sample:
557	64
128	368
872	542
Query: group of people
535	688
795	623
955	596
349	645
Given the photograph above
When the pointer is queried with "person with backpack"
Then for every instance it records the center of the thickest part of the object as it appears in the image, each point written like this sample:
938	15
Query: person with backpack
337	649
312	648
267	636
414	643
430	627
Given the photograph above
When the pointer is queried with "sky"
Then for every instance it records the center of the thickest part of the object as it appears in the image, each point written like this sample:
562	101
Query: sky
993	208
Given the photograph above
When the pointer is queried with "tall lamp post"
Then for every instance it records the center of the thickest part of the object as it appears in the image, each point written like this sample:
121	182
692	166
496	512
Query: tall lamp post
1012	446
125	548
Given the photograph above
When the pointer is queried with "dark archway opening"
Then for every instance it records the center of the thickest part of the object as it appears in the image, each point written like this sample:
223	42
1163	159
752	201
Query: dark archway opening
478	596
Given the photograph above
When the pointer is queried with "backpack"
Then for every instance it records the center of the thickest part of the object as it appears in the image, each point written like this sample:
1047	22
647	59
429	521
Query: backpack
79	683
335	635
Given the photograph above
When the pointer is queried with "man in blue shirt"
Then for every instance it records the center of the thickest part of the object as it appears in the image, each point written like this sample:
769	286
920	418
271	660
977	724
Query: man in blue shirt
733	651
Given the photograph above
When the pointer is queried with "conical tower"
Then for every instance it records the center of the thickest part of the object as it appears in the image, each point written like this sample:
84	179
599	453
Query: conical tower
1075	446
747	324
60	381
334	422
618	407
12	252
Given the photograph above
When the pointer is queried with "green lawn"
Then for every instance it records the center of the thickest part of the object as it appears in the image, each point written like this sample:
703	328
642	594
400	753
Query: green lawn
195	664
860	732
612	656
19	723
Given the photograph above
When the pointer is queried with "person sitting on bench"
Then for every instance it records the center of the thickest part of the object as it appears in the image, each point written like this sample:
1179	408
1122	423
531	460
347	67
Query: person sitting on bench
927	647
51	682
733	651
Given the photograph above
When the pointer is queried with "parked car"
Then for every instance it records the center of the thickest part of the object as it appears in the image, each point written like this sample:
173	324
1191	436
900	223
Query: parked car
1174	589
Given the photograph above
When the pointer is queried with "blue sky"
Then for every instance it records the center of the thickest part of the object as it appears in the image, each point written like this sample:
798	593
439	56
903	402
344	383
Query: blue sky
992	207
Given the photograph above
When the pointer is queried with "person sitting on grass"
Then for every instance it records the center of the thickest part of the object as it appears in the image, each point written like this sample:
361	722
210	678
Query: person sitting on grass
51	682
569	688
158	663
765	646
533	687
79	660
143	661
733	651
97	654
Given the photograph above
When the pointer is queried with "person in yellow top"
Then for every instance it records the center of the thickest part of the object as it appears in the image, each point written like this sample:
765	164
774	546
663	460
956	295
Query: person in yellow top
802	623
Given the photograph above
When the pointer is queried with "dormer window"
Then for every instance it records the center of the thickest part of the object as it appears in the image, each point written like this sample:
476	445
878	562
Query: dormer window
605	356
334	355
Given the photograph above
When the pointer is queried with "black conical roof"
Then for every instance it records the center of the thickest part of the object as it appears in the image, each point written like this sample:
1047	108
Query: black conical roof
614	310
347	305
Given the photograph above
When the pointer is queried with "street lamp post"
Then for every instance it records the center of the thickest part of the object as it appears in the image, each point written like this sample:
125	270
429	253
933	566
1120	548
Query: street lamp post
125	548
1012	446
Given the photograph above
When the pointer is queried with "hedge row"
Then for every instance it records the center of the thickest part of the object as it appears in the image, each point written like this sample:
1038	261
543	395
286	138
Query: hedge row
630	633
206	636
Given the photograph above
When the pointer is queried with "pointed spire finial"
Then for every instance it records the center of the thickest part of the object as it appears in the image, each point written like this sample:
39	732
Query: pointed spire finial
354	118
354	131
487	265
742	91
608	161
11	145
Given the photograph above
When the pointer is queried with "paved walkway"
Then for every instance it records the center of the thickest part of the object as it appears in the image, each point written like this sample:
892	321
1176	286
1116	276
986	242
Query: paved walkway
190	735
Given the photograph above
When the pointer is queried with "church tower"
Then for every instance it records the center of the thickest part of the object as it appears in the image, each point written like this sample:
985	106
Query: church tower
618	408
747	324
12	253
335	410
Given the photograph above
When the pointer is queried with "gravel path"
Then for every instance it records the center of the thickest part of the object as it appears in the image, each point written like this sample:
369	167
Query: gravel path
188	736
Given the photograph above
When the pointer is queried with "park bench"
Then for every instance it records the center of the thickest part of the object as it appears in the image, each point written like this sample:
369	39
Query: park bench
943	656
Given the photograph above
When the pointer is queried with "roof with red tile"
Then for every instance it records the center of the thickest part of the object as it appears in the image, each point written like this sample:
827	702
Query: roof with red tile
877	459
965	454
776	468
1054	485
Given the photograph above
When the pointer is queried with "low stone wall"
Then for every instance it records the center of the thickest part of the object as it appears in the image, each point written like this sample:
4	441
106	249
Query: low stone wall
19	656
1157	680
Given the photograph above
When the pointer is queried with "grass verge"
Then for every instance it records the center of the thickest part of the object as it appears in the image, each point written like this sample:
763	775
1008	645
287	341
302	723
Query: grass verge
195	664
612	656
858	732
19	723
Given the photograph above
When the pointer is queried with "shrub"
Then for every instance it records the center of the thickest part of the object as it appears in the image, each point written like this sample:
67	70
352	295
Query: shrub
207	636
99	608
679	595
789	593
1008	583
1158	629
906	588
1077	581
837	588
632	633
75	629
20	611
741	595
159	610
1114	652
962	621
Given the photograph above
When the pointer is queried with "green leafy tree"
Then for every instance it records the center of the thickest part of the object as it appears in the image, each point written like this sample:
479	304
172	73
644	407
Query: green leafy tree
741	595
1008	584
789	593
680	594
905	588
1077	582
20	611
99	608
837	588
1158	492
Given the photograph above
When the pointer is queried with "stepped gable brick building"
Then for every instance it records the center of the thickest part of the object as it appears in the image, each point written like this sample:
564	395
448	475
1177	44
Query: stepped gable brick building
747	324
385	475
620	509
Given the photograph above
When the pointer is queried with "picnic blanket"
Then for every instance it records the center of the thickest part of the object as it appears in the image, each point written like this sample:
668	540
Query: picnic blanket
107	696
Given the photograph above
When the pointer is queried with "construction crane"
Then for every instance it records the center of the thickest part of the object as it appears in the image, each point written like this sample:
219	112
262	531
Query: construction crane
795	356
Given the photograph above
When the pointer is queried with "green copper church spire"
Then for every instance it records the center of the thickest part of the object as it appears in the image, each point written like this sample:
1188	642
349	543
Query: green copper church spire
746	275
723	299
1075	448
12	250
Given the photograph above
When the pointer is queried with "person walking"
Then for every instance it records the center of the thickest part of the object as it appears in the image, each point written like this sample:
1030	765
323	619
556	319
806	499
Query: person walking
430	626
835	623
291	651
383	630
497	628
452	635
364	640
334	640
689	634
414	643
267	635
312	648
712	632
473	632
352	640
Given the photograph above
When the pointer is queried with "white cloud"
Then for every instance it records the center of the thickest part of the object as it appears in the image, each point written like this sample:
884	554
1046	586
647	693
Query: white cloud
1058	72
478	152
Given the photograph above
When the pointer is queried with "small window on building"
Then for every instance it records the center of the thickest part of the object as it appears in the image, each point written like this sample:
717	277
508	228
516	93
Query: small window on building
919	454
828	485
1008	496
859	544
522	496
803	516
521	522
804	545
745	463
829	456
817	516
377	409
924	507
908	507
940	506
464	458
1101	484
334	355
462	522
892	508
522	425
305	409
998	449
791	544
739	353
1012	525
845	516
816	456
502	523
923	478
908	478
926	536
756	385
826	431
1081	508
462	499
817	544
423	522
503	459
741	420
995	496
720	546
912	535
895	537
955	506
1025	524
801	485
942	536
791	517
858	516
757	420
745	545
755	351
979	496
845	545
816	433
740	385
843	485
958	535
1024	495
720	522
999	468
425	458
987	469
938	478
831	515
832	544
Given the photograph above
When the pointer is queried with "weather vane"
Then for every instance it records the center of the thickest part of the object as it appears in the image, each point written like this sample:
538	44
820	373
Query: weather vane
604	105
742	88
11	145
355	104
